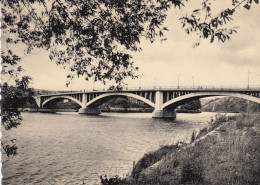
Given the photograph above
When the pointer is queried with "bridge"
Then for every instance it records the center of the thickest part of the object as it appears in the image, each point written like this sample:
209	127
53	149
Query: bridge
163	100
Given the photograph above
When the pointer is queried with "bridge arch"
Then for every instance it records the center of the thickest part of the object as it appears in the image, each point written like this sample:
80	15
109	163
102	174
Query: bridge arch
62	97
98	100
182	99
37	99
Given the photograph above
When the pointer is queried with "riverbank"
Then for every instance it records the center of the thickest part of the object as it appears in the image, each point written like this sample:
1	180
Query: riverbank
225	152
127	110
46	110
187	111
230	104
114	109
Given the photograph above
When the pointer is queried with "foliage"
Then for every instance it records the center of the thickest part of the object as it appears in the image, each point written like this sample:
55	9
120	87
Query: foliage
113	180
193	137
94	38
9	149
116	88
192	173
124	102
13	97
192	105
91	38
212	125
208	26
245	120
60	104
152	157
231	104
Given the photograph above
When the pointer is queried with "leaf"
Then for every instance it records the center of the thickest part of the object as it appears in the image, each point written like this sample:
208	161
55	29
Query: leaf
197	10
212	39
247	6
165	28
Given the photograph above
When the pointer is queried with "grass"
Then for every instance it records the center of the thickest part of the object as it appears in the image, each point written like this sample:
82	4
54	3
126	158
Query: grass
228	155
153	157
212	124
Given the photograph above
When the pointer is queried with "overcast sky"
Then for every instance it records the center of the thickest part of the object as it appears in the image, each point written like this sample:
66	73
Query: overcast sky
214	64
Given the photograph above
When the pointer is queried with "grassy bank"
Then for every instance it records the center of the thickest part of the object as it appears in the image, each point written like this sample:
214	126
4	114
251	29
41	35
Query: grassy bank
231	104
225	152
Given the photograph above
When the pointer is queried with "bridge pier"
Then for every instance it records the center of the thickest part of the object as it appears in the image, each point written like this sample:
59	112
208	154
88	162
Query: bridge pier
159	112
90	111
165	113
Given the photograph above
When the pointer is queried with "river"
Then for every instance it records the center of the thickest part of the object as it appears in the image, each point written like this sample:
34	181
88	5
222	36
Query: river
68	148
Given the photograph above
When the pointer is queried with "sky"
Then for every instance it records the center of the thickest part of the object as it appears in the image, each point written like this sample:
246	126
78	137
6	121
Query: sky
162	63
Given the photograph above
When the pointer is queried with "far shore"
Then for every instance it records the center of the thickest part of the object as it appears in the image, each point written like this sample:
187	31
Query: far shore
115	109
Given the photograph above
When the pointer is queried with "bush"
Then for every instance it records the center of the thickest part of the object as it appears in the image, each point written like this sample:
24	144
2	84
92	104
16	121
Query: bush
193	137
213	124
246	120
113	180
192	173
153	157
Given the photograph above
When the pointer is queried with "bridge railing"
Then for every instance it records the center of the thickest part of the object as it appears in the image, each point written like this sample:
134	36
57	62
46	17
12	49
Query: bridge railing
165	88
192	88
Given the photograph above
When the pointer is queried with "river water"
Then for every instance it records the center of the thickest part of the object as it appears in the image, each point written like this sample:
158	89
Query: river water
68	148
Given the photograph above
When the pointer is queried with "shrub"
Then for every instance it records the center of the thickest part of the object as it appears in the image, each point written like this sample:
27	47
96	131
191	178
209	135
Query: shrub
192	173
193	136
153	157
113	180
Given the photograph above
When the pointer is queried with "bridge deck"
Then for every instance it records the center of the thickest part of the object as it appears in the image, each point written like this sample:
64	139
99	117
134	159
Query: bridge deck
235	90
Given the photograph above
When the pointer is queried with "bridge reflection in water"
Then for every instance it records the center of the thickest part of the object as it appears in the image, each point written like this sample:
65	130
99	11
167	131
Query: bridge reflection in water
163	100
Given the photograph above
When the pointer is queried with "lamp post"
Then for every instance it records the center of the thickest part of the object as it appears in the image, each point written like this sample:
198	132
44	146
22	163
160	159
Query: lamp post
178	80
248	79
259	84
193	82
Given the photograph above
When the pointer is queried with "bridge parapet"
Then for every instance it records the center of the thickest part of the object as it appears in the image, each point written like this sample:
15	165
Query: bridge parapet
162	88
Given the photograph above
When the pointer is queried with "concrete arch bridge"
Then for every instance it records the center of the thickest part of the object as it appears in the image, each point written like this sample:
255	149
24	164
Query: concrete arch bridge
164	101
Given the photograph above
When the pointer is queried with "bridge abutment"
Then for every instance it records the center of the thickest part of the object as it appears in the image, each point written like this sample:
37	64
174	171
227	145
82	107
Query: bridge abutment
90	111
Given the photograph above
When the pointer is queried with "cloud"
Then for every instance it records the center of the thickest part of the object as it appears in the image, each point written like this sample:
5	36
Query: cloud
218	63
214	64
